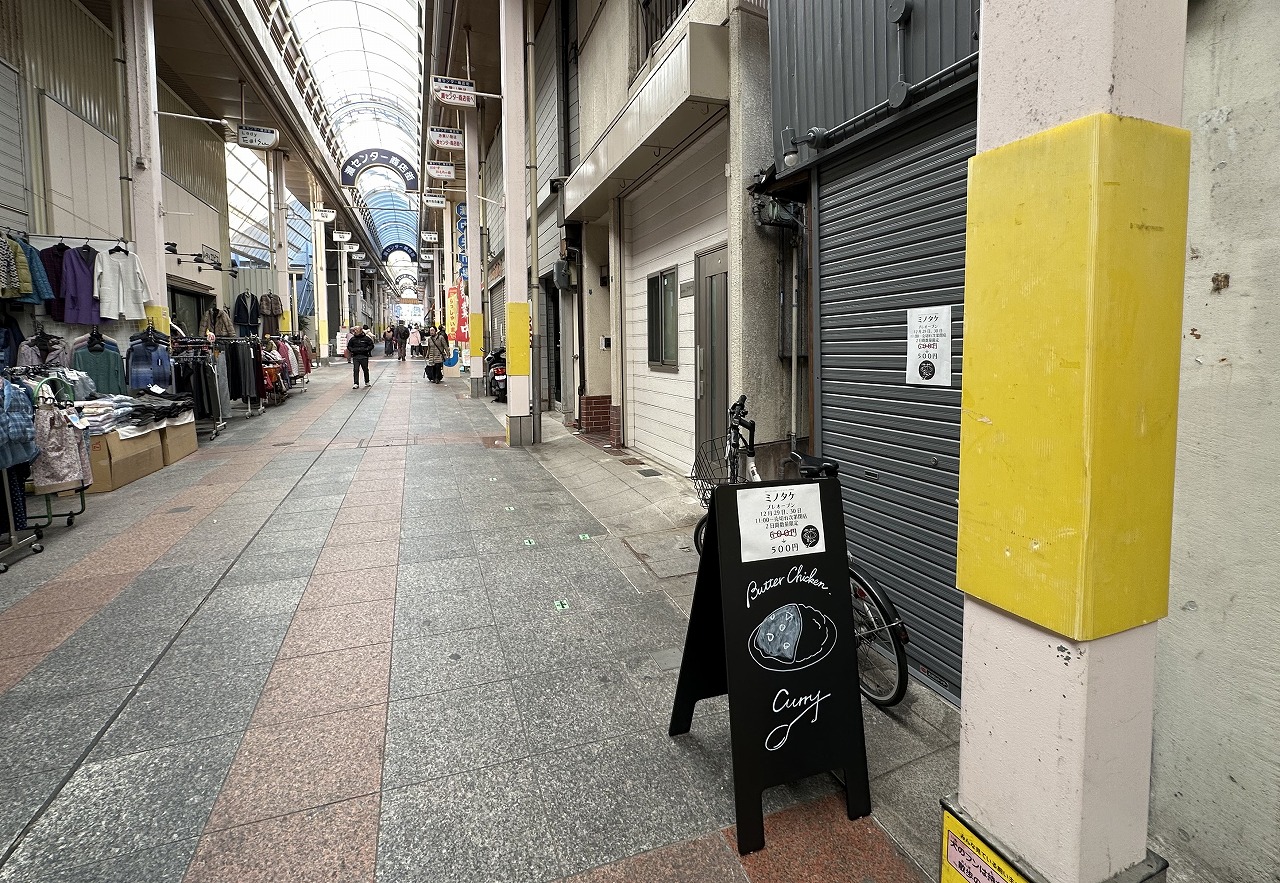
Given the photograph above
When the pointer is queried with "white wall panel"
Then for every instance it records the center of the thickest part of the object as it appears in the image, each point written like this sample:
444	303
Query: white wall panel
681	212
81	184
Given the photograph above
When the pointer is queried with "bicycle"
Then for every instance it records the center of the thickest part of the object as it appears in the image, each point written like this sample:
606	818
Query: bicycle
879	634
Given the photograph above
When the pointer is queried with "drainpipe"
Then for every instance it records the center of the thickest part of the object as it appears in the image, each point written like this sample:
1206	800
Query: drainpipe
535	282
122	112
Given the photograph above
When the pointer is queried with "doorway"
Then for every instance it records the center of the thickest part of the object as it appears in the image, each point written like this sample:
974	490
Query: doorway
711	365
551	341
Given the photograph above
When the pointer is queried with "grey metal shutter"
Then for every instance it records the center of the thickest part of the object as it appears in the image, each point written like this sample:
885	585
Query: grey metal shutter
13	171
498	310
891	231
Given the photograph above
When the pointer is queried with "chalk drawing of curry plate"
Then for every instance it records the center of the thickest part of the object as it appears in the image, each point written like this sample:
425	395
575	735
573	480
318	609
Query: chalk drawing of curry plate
793	637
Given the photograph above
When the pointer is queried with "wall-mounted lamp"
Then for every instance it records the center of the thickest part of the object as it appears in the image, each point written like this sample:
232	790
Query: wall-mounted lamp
816	138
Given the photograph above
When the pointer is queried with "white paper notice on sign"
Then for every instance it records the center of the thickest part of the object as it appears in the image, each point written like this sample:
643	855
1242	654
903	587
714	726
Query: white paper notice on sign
441	171
445	139
459	93
929	346
779	522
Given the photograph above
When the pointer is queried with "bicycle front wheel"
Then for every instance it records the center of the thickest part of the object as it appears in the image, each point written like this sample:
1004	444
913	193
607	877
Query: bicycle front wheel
882	658
700	534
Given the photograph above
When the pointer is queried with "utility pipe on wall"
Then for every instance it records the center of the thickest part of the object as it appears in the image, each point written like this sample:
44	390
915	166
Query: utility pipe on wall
122	141
535	280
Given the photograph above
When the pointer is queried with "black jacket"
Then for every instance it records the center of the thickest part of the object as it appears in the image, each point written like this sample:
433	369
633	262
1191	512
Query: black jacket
360	345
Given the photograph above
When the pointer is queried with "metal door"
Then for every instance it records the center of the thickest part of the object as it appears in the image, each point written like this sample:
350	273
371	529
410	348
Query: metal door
712	354
891	235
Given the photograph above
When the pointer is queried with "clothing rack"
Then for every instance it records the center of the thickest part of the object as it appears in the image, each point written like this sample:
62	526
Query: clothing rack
199	350
226	343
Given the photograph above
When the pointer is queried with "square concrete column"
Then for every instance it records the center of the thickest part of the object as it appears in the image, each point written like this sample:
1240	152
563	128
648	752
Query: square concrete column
514	175
1073	301
475	263
143	138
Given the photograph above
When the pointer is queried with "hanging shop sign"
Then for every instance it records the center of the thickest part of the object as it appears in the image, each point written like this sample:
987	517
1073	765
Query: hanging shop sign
461	225
441	171
324	215
929	346
358	255
464	274
406	280
771	624
445	139
458	93
341	235
350	246
257	138
353	165
462	241
433	200
431	237
461	209
399	246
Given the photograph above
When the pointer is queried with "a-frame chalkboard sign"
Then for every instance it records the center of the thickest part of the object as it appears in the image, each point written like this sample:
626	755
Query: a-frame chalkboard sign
772	625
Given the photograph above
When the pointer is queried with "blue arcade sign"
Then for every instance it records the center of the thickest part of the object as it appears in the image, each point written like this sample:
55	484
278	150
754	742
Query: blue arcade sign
353	165
399	246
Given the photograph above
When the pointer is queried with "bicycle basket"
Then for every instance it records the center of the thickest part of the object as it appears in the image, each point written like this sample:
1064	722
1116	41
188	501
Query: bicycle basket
710	468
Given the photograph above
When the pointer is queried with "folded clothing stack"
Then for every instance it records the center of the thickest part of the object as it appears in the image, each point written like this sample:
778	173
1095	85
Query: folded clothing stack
106	413
148	407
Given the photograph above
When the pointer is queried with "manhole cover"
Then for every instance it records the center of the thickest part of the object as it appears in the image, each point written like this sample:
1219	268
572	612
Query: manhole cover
632	461
650	472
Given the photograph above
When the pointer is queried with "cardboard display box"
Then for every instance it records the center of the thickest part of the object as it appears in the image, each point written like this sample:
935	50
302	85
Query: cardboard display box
178	442
117	461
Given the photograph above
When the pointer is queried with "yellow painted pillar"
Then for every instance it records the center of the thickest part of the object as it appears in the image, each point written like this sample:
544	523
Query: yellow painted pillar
1077	214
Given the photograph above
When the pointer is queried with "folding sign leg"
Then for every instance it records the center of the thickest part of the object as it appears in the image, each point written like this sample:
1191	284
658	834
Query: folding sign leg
702	666
747	798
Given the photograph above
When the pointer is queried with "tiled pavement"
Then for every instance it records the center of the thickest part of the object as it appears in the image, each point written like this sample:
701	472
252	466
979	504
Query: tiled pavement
354	639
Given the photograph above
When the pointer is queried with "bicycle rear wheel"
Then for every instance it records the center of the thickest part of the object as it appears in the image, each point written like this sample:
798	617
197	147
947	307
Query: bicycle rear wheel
882	656
700	534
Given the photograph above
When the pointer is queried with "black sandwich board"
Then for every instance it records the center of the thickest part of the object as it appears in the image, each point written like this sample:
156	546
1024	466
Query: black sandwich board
772	625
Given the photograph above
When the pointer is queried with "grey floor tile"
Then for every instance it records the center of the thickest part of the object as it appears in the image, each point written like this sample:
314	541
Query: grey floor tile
613	799
125	805
420	666
905	803
649	625
20	799
568	641
278	598
323	503
579	705
286	542
318	520
433	576
895	738
485	825
92	660
271	567
448	610
437	546
171	711
447	733
160	864
220	641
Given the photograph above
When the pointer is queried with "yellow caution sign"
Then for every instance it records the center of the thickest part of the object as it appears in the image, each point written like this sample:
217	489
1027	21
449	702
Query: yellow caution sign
966	858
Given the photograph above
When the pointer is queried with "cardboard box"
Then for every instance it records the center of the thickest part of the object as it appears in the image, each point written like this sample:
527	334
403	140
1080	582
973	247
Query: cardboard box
178	442
117	461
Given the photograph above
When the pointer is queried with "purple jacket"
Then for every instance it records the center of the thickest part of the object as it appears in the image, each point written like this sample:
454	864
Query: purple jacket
77	286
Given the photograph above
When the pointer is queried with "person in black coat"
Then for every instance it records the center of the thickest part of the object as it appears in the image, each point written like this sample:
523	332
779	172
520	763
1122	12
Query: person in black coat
360	348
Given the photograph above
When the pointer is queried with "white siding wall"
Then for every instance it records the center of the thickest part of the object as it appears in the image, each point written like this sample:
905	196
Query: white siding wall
681	212
192	224
81	175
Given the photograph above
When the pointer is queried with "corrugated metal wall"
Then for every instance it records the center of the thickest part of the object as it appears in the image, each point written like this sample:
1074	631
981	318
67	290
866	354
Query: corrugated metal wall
573	149
190	152
834	59
69	55
14	207
495	215
891	235
10	33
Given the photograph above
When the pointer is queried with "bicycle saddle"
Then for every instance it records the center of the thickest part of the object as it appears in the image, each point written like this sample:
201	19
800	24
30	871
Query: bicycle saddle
814	467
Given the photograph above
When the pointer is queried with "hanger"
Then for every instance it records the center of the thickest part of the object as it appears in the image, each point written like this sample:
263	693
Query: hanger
120	246
96	343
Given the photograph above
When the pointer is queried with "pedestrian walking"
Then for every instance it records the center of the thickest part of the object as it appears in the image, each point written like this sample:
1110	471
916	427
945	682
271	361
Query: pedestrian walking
437	348
402	340
388	343
415	340
360	348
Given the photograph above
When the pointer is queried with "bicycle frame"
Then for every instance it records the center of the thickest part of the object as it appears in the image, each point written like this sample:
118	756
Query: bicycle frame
736	449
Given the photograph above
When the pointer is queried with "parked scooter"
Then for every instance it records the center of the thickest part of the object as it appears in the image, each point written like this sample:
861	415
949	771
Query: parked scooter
495	370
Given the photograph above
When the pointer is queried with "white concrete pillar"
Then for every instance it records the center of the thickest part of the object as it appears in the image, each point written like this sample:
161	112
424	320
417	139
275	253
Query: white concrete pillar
514	175
280	247
475	265
146	187
1064	584
320	269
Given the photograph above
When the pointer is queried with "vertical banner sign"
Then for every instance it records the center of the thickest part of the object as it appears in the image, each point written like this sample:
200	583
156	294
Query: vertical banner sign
772	625
453	312
463	335
929	346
